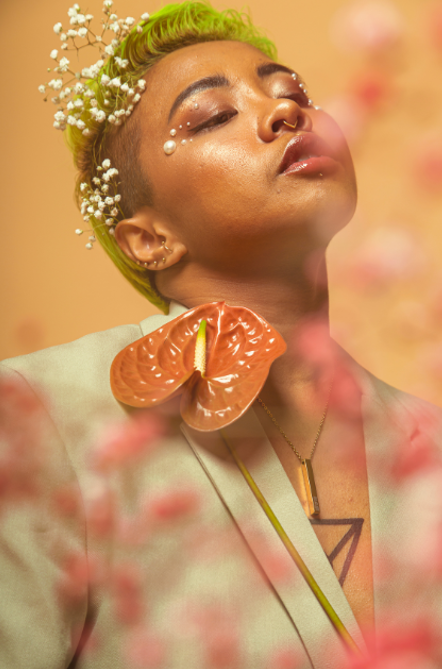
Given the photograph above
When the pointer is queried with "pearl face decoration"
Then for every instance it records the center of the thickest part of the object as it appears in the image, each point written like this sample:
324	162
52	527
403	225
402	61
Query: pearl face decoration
169	147
173	132
183	141
196	105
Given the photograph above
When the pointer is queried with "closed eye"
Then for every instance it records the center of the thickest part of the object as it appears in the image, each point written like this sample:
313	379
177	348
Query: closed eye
215	121
299	97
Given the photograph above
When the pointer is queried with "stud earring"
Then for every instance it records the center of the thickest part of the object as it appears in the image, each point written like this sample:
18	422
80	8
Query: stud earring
146	264
290	125
164	260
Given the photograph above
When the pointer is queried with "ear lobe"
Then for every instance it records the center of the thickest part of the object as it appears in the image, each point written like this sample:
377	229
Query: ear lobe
147	240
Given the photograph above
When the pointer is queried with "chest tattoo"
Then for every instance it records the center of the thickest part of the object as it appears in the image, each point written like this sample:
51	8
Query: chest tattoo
349	541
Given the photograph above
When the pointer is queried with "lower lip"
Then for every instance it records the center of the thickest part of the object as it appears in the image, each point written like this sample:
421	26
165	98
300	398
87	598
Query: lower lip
314	165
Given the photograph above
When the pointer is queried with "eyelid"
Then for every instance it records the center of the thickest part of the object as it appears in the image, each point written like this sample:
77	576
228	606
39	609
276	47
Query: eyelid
203	124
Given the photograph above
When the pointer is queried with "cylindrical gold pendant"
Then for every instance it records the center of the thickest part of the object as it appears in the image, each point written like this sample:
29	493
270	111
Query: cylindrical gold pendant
310	487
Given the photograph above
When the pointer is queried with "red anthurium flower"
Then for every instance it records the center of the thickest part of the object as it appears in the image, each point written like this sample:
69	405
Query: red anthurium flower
217	356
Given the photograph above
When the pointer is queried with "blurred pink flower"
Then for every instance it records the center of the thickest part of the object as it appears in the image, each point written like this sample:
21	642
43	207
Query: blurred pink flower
145	650
367	25
426	164
371	88
173	504
415	644
124	444
435	24
349	113
285	659
389	254
127	592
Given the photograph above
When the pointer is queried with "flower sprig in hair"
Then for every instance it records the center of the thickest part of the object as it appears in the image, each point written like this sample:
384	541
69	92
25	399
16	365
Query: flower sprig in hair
75	92
101	202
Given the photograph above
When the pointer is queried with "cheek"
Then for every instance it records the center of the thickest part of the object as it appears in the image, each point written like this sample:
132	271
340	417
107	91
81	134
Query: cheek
210	179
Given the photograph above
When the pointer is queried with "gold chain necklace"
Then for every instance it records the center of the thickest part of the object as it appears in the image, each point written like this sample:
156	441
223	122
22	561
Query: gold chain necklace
306	463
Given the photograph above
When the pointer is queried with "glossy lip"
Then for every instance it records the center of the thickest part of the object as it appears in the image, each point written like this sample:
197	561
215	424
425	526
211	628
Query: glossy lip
307	144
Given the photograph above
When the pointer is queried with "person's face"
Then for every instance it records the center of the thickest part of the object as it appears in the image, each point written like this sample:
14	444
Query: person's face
223	191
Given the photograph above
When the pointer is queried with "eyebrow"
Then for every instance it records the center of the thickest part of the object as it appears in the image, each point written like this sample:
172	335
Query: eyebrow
219	81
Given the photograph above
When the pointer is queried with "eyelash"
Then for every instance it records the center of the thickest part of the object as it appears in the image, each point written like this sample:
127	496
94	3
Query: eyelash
214	121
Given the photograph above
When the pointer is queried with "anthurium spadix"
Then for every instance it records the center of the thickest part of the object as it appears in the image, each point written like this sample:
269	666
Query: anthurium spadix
216	355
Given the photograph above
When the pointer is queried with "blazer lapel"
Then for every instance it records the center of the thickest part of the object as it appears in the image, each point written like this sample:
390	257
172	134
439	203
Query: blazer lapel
299	603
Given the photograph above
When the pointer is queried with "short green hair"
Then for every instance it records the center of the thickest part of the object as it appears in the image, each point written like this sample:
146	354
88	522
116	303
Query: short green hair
171	28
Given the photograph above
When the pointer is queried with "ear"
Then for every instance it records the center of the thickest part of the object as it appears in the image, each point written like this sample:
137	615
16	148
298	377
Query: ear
147	240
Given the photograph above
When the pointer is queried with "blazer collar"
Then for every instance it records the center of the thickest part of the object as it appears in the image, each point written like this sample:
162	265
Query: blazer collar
386	424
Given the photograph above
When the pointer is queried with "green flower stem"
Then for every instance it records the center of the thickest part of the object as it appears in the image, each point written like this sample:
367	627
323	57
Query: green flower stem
322	599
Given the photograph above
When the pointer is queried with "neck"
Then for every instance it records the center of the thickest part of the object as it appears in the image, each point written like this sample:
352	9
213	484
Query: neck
296	305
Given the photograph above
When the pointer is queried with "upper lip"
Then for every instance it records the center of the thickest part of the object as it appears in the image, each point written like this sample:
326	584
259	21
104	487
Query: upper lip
305	146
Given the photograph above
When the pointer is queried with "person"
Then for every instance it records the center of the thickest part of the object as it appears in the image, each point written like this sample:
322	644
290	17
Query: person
231	184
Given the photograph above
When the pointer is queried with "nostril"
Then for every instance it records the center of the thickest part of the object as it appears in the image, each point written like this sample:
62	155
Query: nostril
277	125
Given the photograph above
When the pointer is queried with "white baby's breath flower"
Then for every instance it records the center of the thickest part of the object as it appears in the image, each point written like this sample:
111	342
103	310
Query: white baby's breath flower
130	93
112	231
109	201
89	17
59	116
100	116
96	181
129	21
83	186
145	16
64	65
86	132
105	188
58	28
114	212
72	11
115	27
63	37
141	84
101	206
125	88
90	209
71	120
137	97
78	88
106	163
79	103
108	3
55	100
42	89
115	82
82	32
117	197
55	84
81	124
105	80
94	103
98	214
113	17
81	19
72	33
64	46
54	54
111	118
139	29
70	106
57	125
109	221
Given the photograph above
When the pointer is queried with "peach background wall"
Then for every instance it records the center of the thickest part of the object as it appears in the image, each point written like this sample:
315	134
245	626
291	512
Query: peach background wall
385	269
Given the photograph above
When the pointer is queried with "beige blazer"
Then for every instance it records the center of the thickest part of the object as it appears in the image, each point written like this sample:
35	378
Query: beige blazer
268	612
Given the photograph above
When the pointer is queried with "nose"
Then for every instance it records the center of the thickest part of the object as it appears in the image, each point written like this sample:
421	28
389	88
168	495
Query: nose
272	122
